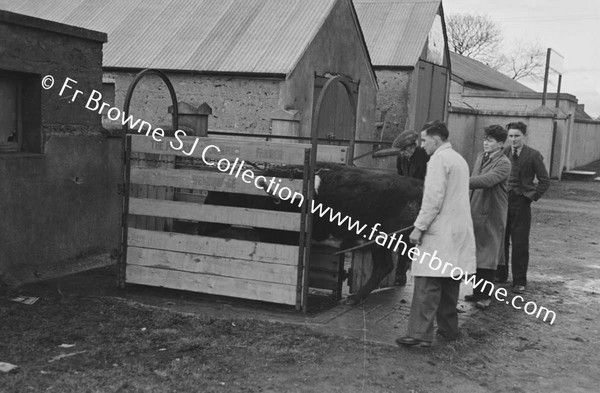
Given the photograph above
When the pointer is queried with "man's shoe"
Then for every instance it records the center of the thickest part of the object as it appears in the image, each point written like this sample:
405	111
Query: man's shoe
412	342
519	289
473	298
483	304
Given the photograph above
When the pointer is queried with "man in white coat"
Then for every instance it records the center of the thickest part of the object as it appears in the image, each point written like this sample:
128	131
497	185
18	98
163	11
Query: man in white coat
445	241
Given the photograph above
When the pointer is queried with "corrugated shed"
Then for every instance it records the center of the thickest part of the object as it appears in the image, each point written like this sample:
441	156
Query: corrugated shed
238	36
474	72
396	30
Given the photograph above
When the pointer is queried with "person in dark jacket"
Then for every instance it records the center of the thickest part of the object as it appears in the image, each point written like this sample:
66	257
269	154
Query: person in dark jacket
412	159
527	164
411	162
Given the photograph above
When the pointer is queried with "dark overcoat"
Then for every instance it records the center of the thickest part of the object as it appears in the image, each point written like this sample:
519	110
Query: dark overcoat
415	166
489	208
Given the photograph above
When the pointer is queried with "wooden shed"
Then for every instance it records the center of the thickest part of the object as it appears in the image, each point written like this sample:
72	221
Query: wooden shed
408	46
254	62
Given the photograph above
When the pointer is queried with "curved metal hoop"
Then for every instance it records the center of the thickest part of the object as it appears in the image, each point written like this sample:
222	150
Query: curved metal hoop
136	80
339	79
126	151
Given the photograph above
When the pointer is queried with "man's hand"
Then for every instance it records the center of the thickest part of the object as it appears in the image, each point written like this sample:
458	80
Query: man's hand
415	236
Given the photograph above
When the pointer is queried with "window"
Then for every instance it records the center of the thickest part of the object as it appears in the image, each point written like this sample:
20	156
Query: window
20	112
108	96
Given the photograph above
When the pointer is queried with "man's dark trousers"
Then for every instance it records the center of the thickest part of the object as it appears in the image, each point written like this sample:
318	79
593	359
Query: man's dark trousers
434	298
518	225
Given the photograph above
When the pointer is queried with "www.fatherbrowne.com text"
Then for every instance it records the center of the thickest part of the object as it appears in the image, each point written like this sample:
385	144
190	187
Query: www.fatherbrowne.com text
273	186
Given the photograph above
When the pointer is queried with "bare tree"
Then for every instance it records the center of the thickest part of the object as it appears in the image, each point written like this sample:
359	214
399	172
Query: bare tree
525	60
478	37
474	36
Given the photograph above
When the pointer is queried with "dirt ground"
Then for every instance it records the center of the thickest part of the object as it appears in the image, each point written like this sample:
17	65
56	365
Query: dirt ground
122	345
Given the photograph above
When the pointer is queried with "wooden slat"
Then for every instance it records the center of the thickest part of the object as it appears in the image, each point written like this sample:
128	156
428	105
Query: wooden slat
142	191
203	264
151	220
204	180
211	213
255	151
160	193
152	161
217	285
227	248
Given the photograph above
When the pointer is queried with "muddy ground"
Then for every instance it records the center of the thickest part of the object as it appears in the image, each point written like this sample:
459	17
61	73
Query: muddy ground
122	345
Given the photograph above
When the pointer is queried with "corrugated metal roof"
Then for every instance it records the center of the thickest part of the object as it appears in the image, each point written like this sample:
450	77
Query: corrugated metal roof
396	30
475	72
245	36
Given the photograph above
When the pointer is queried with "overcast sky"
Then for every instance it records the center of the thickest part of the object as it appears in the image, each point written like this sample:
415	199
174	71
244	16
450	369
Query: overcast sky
572	28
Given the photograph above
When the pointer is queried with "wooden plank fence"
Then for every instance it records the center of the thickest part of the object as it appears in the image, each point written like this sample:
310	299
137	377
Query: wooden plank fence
154	255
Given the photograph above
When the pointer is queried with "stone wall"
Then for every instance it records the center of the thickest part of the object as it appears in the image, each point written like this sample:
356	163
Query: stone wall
241	104
58	202
392	102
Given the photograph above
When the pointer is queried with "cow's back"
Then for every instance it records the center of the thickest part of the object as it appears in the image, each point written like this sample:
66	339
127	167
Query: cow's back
371	196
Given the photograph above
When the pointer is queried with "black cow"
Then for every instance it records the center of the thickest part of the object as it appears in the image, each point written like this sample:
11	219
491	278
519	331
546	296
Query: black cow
378	198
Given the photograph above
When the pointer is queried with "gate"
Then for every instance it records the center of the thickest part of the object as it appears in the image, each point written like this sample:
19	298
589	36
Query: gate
246	268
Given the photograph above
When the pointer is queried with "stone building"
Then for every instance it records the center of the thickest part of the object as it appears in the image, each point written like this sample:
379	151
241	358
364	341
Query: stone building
58	196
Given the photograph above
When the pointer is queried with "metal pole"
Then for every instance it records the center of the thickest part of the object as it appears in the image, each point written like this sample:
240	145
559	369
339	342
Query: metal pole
558	90
305	233
546	77
122	265
554	128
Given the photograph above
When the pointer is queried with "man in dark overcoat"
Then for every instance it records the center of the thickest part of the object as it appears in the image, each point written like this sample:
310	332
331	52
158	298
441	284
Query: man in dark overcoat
489	207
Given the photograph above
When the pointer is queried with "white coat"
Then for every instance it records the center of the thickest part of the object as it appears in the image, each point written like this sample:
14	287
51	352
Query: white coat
445	218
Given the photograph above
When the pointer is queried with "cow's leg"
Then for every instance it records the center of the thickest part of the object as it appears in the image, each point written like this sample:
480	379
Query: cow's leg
383	264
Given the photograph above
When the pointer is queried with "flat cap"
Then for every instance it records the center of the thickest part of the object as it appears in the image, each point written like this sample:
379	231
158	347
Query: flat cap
406	138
